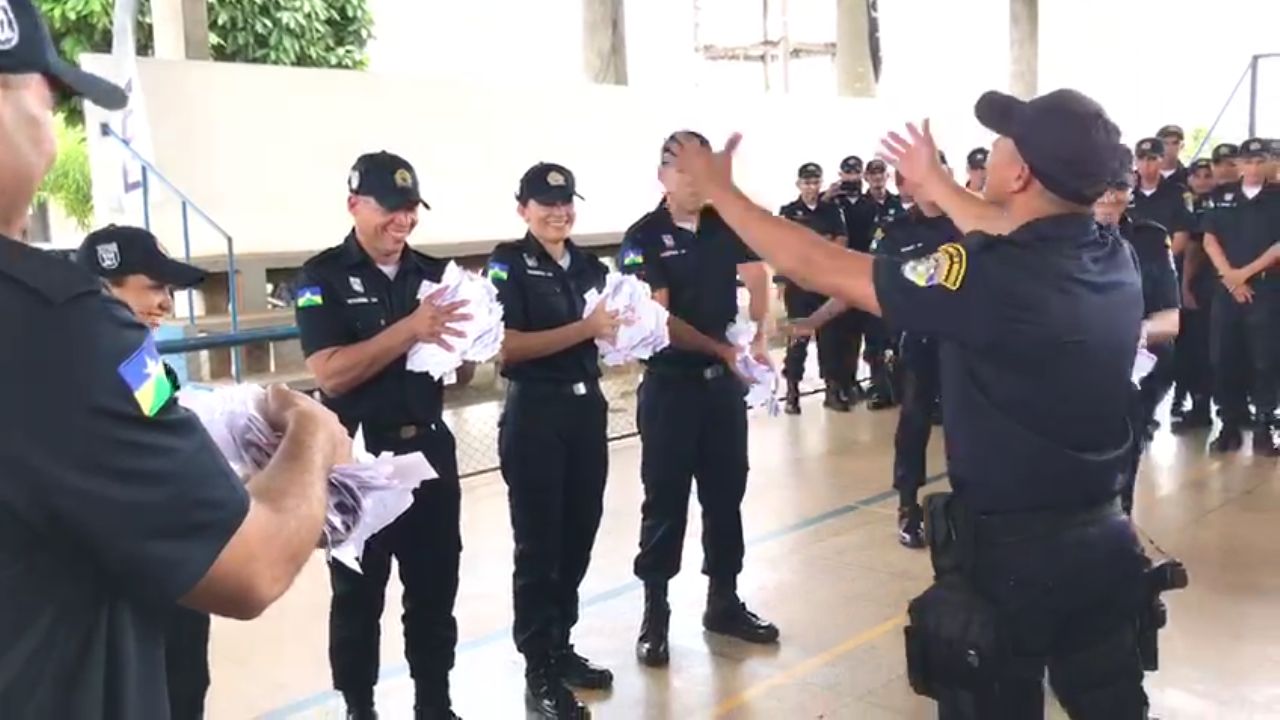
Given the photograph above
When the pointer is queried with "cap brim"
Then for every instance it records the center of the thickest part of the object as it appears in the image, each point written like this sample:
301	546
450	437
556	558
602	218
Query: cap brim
1000	113
395	203
558	197
97	90
176	274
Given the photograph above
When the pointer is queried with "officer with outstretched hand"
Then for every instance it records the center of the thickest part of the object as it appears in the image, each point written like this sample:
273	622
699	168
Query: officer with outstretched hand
1039	317
117	505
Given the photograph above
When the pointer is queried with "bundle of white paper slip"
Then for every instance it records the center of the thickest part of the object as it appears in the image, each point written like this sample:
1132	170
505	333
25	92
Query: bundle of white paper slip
482	334
643	331
364	496
762	378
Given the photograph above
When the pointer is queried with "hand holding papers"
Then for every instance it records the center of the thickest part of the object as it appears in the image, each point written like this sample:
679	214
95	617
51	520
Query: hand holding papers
477	335
761	377
642	330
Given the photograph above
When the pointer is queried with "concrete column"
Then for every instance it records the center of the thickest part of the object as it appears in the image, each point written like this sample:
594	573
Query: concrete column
181	29
1024	48
855	75
604	41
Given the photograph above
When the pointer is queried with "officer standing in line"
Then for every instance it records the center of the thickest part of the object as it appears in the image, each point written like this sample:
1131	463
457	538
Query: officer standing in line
1225	158
552	436
976	163
358	315
1160	299
116	503
1171	168
1031	545
880	210
823	218
1239	230
691	412
848	197
140	274
1191	352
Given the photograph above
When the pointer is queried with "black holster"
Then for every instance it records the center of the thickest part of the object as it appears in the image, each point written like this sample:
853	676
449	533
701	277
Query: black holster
1166	576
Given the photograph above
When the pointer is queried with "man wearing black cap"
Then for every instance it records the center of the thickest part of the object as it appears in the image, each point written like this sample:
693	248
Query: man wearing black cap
552	437
1039	316
976	163
358	315
1225	169
1173	140
881	209
858	226
1191	352
691	412
1239	229
823	218
116	505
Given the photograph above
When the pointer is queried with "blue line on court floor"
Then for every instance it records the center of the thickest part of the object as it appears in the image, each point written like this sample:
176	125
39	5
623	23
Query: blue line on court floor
319	699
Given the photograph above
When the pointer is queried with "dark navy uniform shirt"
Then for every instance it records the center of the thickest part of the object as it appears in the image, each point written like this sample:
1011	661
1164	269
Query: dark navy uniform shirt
344	298
881	216
1151	246
1245	227
916	235
538	294
114	502
698	269
824	219
1038	334
1170	205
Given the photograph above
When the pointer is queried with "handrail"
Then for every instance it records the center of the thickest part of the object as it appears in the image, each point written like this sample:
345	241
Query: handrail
149	169
223	340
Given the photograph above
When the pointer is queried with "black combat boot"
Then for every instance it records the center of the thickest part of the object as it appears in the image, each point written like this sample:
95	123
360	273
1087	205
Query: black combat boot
652	647
727	615
579	672
911	526
834	401
792	406
360	704
546	696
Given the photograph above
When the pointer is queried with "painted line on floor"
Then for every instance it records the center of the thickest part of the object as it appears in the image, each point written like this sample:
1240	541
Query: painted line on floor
798	671
401	669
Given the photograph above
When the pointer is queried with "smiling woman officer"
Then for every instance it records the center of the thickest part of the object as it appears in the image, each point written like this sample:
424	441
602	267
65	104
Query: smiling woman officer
551	438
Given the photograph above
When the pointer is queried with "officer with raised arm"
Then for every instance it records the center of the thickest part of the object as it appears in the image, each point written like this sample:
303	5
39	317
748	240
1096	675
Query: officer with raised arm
1039	317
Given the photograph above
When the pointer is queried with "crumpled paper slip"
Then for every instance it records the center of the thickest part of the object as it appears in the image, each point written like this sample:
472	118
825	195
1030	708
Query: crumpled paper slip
1143	363
643	331
364	496
483	333
762	390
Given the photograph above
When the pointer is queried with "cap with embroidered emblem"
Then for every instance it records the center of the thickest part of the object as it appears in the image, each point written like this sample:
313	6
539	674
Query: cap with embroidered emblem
27	48
120	250
809	170
876	166
1225	151
387	178
1146	148
1200	164
1171	131
851	164
548	184
977	159
1254	147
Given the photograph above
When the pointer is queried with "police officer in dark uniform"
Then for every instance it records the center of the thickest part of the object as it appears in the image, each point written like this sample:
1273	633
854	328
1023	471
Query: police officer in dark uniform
691	412
1039	316
848	197
881	209
1226	157
116	505
1239	230
552	436
1171	168
1191	351
140	274
1160	299
823	218
976	163
920	233
358	315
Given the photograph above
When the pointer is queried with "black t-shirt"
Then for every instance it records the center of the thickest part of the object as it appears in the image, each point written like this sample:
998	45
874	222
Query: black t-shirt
113	505
1038	333
1245	228
1169	205
344	298
538	294
1151	245
699	269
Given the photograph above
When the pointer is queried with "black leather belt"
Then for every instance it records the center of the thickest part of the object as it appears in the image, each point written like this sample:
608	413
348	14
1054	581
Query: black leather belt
577	389
710	372
1012	527
404	432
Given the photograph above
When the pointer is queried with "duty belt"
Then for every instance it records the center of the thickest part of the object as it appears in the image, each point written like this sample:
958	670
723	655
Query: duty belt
1012	527
710	372
577	389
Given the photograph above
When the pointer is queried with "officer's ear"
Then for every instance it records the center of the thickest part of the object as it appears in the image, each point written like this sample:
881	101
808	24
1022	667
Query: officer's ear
353	202
522	209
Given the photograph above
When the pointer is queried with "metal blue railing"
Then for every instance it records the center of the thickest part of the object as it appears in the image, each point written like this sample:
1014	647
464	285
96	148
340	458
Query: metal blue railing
188	206
1250	72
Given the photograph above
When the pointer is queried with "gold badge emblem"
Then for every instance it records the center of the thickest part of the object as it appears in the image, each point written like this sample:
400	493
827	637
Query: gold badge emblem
403	178
555	179
945	267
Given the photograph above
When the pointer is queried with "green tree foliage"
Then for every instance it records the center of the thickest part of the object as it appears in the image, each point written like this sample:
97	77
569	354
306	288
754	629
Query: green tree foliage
67	183
1194	138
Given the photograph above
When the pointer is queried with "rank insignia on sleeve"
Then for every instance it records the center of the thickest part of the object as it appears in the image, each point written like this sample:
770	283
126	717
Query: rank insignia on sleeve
945	267
309	296
632	258
497	271
144	374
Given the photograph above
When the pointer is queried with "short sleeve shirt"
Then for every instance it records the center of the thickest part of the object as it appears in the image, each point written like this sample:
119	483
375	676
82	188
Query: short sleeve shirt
1245	227
344	298
1170	205
538	294
698	268
114	504
1151	245
1038	331
824	218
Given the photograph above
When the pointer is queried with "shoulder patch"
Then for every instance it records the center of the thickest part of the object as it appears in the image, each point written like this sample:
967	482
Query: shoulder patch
309	296
497	270
945	267
632	257
144	373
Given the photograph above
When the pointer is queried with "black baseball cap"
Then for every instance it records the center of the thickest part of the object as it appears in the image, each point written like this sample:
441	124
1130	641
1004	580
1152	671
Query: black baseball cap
851	164
27	48
876	166
1255	147
120	250
674	139
387	178
977	159
809	170
547	184
1149	148
1200	164
1171	131
1225	151
1066	138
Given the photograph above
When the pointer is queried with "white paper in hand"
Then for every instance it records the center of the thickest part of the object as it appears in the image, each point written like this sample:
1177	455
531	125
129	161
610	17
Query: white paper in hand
482	334
762	390
643	331
1143	363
